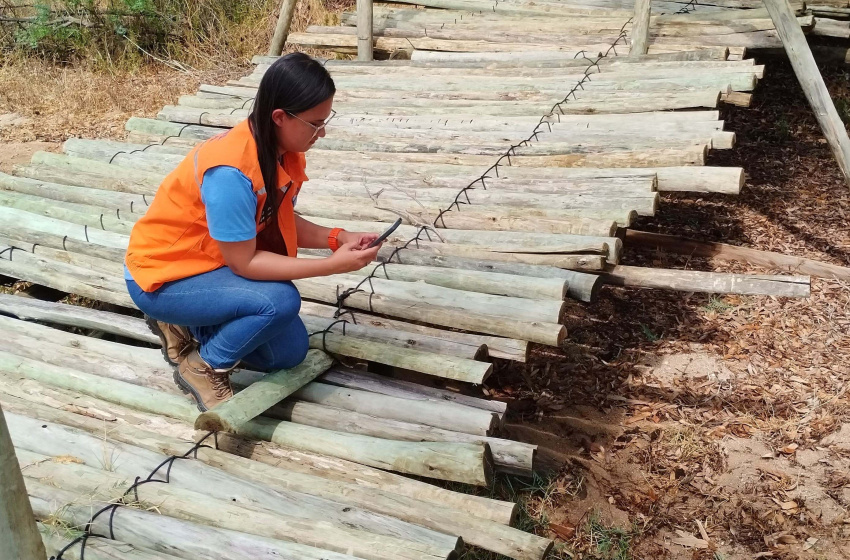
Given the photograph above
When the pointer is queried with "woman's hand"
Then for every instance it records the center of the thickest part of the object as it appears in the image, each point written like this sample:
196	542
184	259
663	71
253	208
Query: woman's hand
360	239
350	257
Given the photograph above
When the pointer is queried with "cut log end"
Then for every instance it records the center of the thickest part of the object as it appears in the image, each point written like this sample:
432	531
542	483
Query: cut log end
209	421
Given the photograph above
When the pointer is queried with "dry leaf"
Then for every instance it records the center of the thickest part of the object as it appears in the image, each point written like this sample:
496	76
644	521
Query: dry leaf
689	541
564	532
67	460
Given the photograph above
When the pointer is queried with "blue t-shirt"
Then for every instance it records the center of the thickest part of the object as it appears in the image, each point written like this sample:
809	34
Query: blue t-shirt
231	206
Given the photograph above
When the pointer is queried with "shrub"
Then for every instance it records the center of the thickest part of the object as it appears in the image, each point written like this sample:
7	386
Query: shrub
195	31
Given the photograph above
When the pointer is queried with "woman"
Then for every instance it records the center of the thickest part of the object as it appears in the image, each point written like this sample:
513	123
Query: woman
215	253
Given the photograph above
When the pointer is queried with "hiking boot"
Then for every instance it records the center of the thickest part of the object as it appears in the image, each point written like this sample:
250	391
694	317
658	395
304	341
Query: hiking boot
207	385
176	340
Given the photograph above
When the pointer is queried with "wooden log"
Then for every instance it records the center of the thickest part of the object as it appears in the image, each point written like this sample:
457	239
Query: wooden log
448	367
90	216
731	253
61	228
125	203
249	403
165	534
100	452
505	348
737	98
812	82
367	381
544	333
112	390
316	324
195	506
18	531
508	456
480	281
364	30
73	315
687	156
95	264
130	327
583	262
468	463
97	548
447	415
645	204
64	277
358	208
578	285
460	462
143	183
640	29
709	282
281	30
499	241
317	475
140	366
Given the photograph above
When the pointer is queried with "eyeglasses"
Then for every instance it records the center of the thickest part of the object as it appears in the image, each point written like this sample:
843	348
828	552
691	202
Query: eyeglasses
316	129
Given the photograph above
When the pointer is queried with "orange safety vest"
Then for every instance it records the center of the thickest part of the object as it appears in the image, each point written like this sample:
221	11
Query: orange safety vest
172	240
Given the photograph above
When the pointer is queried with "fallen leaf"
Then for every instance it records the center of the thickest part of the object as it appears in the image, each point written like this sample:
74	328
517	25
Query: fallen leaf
564	532
67	460
689	541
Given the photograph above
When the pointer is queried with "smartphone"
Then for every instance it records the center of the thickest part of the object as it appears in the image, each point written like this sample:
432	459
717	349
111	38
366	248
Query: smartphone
386	234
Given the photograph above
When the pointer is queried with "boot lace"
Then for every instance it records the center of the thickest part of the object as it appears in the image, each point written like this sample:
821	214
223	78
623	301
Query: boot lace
220	381
186	342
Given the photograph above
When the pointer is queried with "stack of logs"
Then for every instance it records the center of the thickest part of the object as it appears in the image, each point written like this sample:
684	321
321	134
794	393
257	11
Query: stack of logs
88	416
515	176
501	30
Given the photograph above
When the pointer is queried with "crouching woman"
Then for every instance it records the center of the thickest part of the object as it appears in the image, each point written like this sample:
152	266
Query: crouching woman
212	260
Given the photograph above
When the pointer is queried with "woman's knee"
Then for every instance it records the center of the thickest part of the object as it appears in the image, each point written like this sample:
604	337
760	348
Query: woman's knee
289	350
281	302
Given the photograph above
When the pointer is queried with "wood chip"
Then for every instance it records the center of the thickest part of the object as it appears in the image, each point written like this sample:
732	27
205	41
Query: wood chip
688	541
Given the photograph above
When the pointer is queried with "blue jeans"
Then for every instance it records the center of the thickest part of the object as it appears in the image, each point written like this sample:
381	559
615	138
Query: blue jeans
232	317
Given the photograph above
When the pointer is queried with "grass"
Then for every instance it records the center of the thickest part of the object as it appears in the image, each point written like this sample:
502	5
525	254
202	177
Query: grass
94	92
783	128
717	304
536	497
608	543
650	336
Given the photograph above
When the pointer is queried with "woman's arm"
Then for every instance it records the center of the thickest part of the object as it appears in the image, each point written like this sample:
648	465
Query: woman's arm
244	260
314	236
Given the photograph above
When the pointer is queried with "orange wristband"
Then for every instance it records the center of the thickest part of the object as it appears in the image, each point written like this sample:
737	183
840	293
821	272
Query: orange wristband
333	242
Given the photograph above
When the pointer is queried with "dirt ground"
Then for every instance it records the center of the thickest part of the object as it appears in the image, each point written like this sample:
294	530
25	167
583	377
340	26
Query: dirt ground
674	425
691	426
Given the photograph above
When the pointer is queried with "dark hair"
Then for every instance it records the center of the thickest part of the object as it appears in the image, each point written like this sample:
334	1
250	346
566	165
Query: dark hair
293	83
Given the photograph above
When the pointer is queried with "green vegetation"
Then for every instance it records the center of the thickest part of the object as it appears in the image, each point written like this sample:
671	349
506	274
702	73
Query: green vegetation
650	336
610	543
717	304
119	31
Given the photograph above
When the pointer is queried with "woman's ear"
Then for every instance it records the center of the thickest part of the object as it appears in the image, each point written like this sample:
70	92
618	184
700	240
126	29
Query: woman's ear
279	117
